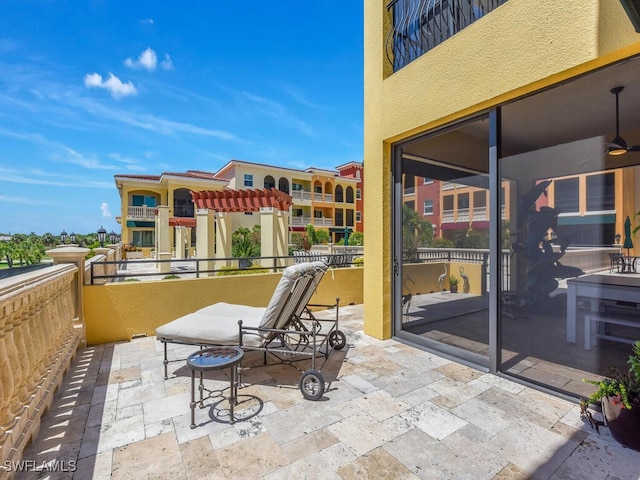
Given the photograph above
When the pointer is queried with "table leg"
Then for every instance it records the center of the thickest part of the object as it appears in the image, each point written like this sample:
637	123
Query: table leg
193	399
233	393
201	388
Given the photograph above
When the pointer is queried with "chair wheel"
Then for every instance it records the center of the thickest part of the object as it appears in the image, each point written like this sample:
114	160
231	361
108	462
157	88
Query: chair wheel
312	385
337	339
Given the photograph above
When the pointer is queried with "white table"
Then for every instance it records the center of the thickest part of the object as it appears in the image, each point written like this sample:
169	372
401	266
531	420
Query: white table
598	287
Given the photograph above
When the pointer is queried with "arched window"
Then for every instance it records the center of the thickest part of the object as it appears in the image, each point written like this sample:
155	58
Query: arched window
283	185
339	193
182	203
269	182
349	195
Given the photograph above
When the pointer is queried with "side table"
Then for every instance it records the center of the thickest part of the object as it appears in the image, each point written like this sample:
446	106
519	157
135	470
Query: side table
214	358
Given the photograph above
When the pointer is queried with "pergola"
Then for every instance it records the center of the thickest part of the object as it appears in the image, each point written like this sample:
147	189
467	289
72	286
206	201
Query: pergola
213	220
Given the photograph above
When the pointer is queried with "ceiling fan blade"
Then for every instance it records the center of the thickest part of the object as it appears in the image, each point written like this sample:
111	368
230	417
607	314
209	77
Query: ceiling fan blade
633	148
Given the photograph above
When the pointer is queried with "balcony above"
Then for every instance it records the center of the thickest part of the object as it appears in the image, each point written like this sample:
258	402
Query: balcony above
142	213
420	25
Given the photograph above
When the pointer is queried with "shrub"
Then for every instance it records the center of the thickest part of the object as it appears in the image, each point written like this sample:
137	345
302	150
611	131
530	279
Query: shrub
231	270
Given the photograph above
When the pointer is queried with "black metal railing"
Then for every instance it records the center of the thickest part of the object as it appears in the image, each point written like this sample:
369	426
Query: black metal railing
420	25
152	269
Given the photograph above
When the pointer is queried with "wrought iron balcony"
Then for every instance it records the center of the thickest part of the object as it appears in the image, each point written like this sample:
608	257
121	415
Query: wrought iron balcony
420	25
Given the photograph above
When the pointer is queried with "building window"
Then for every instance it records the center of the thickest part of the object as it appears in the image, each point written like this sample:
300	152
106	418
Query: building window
447	202
479	199
358	217
426	181
409	184
144	238
358	193
140	200
428	207
296	187
269	182
349	218
283	185
317	188
349	195
248	180
567	195
339	194
601	193
463	201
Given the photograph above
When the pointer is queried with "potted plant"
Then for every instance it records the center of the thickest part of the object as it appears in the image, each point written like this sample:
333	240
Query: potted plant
453	283
619	395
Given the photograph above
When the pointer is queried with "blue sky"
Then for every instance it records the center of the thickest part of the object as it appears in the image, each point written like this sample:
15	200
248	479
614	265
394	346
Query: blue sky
91	89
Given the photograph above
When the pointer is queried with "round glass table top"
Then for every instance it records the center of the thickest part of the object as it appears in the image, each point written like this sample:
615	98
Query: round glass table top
214	358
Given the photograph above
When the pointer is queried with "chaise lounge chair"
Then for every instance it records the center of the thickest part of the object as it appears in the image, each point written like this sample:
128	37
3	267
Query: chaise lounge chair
285	326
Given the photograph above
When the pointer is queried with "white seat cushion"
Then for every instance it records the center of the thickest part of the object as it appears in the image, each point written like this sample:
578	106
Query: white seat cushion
216	324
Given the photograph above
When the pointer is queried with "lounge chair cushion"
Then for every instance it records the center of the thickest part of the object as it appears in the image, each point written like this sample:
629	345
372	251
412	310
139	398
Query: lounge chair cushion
217	324
288	279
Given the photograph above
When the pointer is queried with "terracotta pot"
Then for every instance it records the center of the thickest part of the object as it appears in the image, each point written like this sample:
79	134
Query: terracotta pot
624	423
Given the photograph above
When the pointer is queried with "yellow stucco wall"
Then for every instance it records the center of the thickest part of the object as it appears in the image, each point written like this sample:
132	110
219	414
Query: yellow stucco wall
519	48
116	312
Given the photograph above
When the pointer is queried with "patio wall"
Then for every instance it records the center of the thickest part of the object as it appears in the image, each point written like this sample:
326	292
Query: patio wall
118	311
422	278
39	334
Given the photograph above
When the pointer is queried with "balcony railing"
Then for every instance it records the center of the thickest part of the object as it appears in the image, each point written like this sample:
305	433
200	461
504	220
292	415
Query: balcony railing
38	321
323	222
420	25
447	216
300	221
463	215
480	213
141	213
301	195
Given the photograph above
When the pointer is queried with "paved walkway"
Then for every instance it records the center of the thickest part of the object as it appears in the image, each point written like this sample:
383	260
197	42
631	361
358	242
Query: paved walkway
391	412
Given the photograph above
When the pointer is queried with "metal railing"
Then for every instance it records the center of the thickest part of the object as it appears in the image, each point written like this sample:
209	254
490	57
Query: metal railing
420	25
152	269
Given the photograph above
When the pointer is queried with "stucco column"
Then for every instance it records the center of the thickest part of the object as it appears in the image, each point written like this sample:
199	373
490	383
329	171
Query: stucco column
274	229
163	237
223	238
75	255
268	226
101	268
205	237
181	240
281	243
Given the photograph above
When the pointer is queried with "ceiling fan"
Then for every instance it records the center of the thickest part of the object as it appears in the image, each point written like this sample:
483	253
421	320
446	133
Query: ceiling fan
618	146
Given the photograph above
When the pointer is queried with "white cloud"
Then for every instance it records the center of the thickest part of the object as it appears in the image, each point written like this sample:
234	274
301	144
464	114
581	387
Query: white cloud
147	60
104	206
113	85
167	64
147	21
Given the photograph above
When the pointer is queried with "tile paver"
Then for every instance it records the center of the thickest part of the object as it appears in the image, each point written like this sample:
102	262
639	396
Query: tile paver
390	411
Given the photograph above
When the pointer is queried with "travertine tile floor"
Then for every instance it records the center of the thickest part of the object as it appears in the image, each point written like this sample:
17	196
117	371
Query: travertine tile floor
390	411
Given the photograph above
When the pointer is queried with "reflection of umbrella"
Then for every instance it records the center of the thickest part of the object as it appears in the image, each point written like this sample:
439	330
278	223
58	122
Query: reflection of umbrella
627	235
